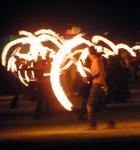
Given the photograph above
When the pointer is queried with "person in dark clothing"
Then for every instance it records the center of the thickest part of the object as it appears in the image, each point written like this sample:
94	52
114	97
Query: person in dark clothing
113	77
38	89
39	85
117	77
20	88
84	92
125	73
85	89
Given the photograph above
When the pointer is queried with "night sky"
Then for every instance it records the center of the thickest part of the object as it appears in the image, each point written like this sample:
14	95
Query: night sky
120	19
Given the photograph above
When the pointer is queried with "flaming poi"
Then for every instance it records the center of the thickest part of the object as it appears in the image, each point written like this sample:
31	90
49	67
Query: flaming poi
66	51
22	54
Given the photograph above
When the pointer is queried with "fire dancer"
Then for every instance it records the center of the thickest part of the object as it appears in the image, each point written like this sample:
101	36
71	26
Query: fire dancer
96	99
39	85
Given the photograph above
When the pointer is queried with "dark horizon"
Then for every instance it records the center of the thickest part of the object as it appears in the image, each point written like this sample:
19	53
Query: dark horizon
95	17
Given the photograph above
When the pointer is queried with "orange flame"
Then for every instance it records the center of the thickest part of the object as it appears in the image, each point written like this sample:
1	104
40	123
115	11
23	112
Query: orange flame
56	67
59	56
35	49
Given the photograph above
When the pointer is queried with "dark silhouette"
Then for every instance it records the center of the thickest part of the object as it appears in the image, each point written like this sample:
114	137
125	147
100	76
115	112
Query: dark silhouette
117	77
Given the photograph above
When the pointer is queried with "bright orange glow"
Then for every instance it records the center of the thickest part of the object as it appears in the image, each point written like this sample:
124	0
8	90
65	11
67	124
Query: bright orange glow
66	49
126	47
29	54
24	52
56	67
136	48
95	39
114	48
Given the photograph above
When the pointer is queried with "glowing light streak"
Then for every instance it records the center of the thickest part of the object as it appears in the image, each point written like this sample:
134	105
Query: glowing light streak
35	48
21	78
97	38
126	47
26	76
115	48
55	70
136	47
66	49
107	52
52	33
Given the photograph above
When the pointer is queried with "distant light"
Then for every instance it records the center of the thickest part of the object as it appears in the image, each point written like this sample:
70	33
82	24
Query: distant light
106	33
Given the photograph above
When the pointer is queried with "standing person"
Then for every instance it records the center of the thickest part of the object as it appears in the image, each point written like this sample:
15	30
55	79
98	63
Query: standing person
117	78
124	62
96	99
39	85
84	92
19	88
85	88
114	78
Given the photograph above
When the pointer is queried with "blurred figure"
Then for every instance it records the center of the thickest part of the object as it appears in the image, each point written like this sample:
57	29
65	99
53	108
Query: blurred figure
85	89
134	67
84	92
125	73
117	78
96	99
112	77
20	88
42	83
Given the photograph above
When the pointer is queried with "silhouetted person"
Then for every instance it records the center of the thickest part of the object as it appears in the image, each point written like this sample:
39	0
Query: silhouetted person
41	87
125	73
20	89
118	77
84	92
